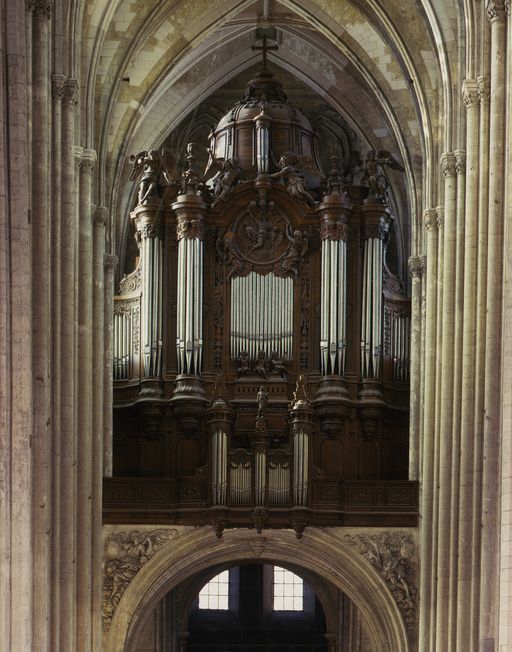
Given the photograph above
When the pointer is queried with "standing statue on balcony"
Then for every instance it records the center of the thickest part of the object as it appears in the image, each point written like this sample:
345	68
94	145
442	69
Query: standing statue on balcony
262	401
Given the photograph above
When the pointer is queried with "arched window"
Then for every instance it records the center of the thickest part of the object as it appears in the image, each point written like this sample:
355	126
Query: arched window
215	594
288	591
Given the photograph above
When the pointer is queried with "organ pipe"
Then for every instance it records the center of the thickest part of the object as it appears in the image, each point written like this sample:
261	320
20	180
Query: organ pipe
374	232
220	428
261	315
189	320
333	306
302	428
262	122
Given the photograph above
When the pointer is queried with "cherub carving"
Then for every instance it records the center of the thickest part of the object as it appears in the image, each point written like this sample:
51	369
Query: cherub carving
294	177
229	173
154	170
276	365
243	361
373	173
299	241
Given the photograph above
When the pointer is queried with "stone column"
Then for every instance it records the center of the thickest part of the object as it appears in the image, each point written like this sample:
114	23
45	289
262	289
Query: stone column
16	535
67	561
505	560
447	313
426	498
110	263
85	403
99	220
58	91
416	267
466	618
41	335
460	169
488	607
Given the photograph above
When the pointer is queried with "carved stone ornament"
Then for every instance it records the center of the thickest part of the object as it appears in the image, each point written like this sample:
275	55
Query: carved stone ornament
333	230
460	161
416	266
448	164
469	93
71	92
484	89
40	8
88	160
440	216
496	9
125	554
110	262
430	219
392	555
58	87
190	228
99	215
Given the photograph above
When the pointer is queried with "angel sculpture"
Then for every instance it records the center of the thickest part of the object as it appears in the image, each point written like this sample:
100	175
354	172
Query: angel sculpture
373	173
228	174
299	241
154	170
294	177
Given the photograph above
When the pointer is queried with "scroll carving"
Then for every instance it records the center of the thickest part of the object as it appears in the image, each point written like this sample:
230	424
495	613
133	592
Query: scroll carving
392	555
125	554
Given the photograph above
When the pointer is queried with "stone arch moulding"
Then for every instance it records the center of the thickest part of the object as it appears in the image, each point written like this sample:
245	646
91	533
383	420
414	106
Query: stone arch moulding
334	556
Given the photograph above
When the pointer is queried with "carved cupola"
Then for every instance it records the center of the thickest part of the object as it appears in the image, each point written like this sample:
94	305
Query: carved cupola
262	127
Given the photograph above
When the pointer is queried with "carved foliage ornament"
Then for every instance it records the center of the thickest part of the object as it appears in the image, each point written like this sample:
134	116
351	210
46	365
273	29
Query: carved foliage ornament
497	9
470	93
392	555
333	230
416	265
430	219
125	554
448	164
190	228
40	8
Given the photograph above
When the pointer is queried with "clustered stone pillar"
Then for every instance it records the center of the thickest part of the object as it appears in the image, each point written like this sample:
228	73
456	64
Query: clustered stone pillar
416	267
505	503
427	447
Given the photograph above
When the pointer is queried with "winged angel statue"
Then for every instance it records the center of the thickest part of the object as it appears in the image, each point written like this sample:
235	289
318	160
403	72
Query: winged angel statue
373	173
154	170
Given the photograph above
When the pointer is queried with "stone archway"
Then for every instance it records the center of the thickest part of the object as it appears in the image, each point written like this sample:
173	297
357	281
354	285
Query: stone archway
325	552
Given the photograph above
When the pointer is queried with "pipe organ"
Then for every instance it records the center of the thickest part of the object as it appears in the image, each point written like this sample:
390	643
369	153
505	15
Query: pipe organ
261	347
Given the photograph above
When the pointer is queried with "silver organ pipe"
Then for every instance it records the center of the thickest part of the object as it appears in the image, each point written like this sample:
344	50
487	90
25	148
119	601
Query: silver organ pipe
189	320
278	478
401	333
371	315
125	345
262	122
302	427
260	464
333	306
240	480
261	315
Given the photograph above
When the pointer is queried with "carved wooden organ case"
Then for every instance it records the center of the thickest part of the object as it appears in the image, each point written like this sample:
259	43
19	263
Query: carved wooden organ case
261	346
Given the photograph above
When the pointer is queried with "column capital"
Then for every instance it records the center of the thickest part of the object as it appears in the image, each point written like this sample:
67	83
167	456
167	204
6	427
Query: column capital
430	219
58	86
469	92
416	266
448	164
110	262
99	215
190	211
440	216
496	9
71	91
88	160
40	8
484	89
460	161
